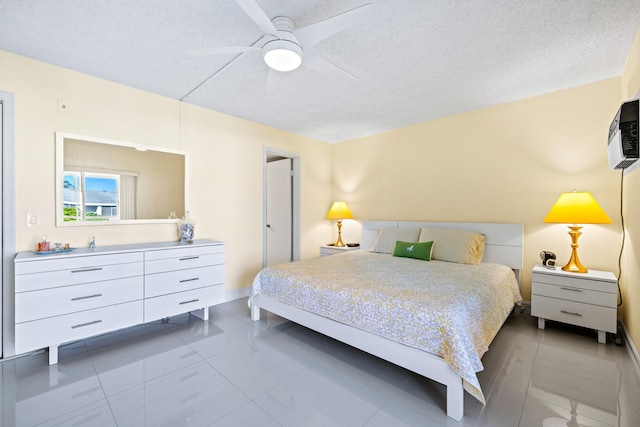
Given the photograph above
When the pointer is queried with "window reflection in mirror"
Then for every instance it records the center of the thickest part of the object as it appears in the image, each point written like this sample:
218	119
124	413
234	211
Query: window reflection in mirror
93	197
104	181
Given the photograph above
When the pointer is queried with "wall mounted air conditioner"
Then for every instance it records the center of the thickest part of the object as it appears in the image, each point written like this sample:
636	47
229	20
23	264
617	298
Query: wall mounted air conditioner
624	150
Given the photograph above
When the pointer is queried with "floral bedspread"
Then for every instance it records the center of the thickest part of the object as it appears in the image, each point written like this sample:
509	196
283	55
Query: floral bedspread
452	310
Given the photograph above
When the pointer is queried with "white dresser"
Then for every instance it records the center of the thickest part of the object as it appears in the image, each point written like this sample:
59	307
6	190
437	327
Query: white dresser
69	296
588	299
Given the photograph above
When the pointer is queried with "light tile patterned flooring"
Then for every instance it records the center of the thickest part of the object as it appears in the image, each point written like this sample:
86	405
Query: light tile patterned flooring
231	371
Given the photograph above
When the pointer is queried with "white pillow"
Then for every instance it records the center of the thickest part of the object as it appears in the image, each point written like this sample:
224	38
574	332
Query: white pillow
460	246
387	238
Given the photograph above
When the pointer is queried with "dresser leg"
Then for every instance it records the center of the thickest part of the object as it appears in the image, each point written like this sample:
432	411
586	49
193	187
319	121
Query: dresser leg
540	323
602	337
53	354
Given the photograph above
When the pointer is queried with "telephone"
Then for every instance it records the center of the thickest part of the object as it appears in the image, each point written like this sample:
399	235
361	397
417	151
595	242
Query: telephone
548	258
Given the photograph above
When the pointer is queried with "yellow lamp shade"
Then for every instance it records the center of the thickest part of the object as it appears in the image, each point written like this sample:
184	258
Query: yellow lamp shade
577	208
339	210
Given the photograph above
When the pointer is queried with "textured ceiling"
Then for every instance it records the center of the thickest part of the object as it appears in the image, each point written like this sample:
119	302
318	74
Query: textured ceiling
416	60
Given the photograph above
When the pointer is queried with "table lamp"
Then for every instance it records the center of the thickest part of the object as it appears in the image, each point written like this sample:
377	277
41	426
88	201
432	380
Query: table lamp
339	211
576	208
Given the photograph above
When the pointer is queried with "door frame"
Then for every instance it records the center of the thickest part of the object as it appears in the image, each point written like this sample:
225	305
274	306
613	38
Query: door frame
295	200
8	223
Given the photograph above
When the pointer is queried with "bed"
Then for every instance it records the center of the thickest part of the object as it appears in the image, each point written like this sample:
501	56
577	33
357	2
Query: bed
401	309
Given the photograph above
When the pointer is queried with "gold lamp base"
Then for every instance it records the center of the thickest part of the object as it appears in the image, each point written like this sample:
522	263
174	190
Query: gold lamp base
574	265
339	242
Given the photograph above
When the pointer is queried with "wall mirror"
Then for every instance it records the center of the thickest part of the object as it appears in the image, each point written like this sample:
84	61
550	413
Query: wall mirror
100	182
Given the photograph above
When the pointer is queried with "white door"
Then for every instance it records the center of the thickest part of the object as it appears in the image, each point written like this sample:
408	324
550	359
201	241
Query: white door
279	212
7	220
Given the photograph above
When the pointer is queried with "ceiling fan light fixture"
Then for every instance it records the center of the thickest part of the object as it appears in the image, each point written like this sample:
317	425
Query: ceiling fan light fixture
282	55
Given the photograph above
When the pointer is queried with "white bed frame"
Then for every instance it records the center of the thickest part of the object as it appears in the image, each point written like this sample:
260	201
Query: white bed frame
504	245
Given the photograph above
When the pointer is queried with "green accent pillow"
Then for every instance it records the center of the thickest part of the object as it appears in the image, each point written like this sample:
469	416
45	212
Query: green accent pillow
413	250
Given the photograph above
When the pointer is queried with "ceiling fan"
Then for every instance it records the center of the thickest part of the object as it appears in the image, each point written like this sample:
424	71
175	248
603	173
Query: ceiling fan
285	48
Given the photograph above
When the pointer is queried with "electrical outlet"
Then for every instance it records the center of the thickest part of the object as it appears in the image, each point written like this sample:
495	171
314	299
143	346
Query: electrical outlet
33	219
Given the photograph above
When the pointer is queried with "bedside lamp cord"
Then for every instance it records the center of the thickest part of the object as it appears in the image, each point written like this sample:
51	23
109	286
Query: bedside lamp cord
623	235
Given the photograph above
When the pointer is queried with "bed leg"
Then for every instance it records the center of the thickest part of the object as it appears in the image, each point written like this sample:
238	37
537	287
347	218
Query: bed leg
455	401
255	312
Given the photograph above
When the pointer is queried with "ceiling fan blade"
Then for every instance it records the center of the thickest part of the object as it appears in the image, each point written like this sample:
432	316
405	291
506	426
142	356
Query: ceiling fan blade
318	63
314	33
258	16
220	50
218	72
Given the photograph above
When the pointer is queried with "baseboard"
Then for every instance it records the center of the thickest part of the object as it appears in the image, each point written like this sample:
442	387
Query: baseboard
631	347
235	294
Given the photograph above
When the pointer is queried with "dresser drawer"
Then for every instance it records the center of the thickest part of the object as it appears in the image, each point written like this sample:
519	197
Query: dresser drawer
182	280
184	251
70	299
70	327
575	282
575	313
70	262
182	302
182	263
575	294
77	275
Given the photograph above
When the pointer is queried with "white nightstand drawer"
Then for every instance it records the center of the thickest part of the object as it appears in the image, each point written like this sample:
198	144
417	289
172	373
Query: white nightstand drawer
70	299
182	280
75	276
182	302
575	313
60	329
571	293
332	250
575	280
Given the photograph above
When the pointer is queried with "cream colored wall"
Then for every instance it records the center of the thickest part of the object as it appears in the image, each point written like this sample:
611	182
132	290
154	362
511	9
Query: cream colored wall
225	162
502	164
630	280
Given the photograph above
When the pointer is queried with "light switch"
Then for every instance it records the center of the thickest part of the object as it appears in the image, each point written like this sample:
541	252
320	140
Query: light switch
33	219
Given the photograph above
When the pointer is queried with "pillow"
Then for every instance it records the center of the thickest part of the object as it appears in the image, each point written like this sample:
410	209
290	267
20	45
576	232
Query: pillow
387	238
461	246
413	250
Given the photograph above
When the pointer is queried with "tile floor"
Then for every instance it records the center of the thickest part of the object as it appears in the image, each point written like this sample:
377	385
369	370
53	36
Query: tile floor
234	372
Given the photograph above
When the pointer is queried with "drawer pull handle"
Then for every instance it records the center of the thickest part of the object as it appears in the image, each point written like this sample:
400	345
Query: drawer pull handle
190	301
81	325
189	280
84	270
571	313
86	297
189	258
571	289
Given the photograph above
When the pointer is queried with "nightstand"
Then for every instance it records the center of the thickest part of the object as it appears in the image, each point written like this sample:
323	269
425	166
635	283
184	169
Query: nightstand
583	299
326	250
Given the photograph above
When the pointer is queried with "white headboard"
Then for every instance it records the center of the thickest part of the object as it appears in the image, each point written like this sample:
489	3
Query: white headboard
504	244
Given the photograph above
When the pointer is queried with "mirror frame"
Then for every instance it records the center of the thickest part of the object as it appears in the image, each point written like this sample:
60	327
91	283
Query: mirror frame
59	166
